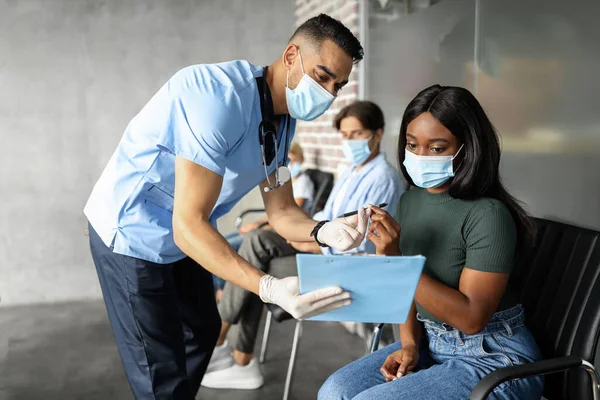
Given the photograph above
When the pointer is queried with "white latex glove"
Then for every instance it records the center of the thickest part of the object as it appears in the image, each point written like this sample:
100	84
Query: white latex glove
286	294
345	233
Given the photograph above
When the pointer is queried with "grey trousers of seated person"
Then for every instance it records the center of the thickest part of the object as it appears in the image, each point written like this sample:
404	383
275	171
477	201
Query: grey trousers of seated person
243	309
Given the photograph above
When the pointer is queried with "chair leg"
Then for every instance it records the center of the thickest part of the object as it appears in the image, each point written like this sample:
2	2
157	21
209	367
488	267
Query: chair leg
376	337
396	330
594	378
265	340
290	373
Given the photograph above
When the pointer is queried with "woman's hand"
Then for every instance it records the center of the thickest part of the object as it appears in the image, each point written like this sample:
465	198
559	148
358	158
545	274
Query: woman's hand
400	362
384	232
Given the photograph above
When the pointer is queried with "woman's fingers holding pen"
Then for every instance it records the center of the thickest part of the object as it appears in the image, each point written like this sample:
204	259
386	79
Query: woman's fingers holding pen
377	210
388	222
384	232
379	230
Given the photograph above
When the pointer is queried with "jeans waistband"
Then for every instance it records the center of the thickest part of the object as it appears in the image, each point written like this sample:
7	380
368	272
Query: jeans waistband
502	321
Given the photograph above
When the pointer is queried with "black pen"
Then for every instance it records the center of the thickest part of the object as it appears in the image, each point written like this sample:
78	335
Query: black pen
351	213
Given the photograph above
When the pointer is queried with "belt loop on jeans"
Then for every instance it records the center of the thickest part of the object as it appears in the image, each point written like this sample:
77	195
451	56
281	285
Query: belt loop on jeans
508	328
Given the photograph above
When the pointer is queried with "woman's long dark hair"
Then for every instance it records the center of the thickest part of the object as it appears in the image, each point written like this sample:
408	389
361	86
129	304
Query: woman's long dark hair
477	176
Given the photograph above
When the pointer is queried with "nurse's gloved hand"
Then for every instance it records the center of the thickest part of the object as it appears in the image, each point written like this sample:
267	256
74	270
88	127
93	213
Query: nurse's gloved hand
345	233
286	294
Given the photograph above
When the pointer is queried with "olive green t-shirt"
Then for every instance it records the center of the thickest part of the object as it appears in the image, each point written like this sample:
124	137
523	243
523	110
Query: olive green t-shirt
455	234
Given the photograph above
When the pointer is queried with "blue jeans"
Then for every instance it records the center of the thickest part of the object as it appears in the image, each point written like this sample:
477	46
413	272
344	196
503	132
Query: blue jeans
450	366
235	240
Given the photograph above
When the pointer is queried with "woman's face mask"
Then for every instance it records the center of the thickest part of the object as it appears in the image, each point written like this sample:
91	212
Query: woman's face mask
429	171
295	168
308	100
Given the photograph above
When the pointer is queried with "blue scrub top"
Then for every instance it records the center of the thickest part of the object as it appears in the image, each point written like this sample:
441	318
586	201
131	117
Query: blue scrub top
208	114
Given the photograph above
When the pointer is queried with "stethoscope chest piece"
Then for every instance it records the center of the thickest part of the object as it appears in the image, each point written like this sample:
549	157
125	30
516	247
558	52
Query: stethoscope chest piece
284	174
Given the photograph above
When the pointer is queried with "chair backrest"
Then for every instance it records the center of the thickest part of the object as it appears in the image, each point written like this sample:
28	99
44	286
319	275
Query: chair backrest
323	182
559	286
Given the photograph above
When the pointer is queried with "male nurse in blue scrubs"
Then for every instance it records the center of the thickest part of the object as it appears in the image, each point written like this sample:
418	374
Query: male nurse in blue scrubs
207	137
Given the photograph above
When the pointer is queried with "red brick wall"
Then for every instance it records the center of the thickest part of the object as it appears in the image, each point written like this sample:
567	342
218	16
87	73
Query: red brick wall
319	139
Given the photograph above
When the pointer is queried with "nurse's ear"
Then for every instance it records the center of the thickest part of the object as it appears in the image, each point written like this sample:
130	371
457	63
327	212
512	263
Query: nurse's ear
289	55
291	62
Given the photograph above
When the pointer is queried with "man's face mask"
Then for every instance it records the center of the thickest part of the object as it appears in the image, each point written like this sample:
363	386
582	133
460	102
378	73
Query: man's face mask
356	150
429	171
308	100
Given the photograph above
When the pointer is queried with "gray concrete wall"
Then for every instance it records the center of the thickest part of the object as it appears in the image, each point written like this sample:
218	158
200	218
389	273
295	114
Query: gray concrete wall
72	74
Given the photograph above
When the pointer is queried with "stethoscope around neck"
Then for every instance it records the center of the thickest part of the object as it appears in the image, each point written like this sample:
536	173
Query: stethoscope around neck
266	128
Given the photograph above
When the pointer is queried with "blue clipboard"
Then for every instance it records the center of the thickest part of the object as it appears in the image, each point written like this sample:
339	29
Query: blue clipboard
382	288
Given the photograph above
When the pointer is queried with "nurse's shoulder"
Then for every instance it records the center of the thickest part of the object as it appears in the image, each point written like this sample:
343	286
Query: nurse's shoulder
222	79
203	112
221	96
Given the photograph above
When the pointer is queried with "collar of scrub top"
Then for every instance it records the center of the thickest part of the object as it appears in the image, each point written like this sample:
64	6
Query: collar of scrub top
267	137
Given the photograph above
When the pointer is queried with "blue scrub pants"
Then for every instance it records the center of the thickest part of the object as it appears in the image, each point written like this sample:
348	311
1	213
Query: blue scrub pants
164	318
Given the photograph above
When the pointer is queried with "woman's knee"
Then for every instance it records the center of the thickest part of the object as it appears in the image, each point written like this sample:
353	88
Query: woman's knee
356	377
331	389
336	387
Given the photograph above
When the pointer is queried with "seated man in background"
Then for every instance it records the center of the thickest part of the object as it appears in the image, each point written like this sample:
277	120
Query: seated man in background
370	180
304	191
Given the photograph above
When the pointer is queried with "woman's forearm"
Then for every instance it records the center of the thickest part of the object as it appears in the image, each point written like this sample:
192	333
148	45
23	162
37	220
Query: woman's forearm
411	330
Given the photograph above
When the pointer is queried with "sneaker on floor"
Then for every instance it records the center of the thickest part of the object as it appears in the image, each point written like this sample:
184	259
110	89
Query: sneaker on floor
221	358
237	376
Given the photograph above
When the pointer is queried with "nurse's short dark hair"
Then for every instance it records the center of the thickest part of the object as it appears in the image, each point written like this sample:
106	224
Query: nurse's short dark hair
322	27
368	113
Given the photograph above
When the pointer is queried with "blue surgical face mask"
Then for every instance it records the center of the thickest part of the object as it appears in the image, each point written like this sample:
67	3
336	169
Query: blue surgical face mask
308	100
295	169
357	150
429	171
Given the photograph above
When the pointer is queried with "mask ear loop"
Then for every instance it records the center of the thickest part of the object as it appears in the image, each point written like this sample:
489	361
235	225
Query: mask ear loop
287	75
301	64
459	149
461	161
368	141
371	138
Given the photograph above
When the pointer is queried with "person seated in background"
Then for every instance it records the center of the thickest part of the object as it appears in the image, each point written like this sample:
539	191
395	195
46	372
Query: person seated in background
304	191
369	180
464	322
